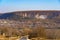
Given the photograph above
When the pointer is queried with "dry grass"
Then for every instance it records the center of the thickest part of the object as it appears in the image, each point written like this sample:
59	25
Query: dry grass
15	38
6	38
43	39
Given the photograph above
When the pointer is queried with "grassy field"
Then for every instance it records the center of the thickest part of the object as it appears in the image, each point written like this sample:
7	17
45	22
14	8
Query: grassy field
15	38
8	38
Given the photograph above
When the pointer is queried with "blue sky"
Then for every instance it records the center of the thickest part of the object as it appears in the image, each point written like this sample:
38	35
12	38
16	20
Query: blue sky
20	5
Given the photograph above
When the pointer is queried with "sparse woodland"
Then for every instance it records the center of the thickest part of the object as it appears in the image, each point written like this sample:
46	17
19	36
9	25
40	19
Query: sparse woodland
35	28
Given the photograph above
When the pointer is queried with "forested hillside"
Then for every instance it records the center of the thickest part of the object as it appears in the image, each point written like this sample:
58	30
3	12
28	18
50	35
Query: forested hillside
27	22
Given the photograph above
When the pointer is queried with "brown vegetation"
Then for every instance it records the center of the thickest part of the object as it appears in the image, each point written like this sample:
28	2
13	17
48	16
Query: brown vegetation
24	23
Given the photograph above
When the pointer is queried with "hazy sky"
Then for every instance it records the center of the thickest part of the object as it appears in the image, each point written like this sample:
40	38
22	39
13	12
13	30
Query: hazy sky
19	5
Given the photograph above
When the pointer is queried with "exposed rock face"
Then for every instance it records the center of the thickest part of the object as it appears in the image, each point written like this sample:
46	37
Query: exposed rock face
31	14
48	19
51	18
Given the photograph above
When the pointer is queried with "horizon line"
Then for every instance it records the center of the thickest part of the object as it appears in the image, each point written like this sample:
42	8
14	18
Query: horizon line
28	10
